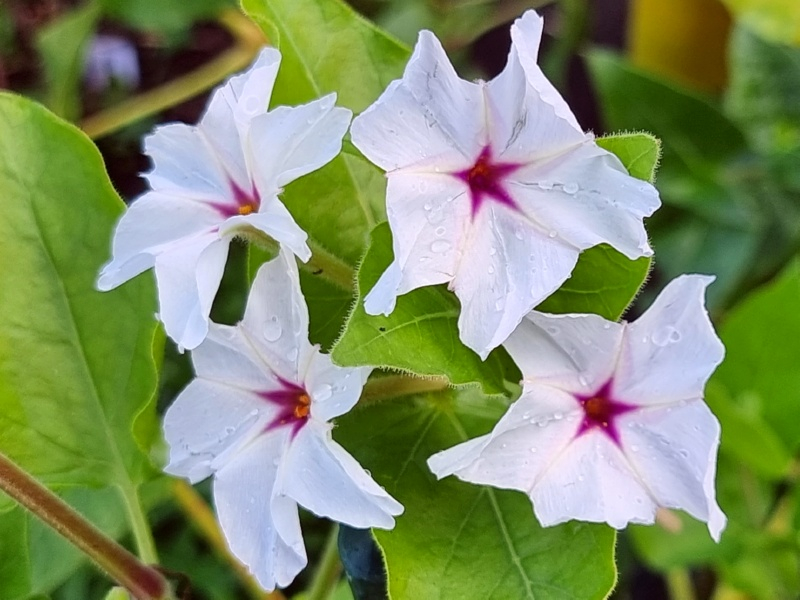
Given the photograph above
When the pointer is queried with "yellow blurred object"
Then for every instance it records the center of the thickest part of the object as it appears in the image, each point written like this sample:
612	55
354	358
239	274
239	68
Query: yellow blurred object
683	40
775	20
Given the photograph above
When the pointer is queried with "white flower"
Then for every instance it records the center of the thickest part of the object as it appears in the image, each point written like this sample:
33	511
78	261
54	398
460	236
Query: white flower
256	417
215	181
492	187
611	423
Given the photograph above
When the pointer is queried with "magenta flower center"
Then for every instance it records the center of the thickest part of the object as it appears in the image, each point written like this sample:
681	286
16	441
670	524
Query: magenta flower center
294	405
244	203
600	411
486	181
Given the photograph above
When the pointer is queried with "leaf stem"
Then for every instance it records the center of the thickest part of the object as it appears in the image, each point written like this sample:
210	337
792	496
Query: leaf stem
679	584
329	568
143	582
249	39
195	508
145	545
394	386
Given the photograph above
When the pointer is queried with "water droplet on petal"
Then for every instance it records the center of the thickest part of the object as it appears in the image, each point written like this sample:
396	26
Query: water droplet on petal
664	336
553	330
427	206
440	231
552	234
500	304
492	251
533	450
440	246
571	188
558	416
323	392
272	330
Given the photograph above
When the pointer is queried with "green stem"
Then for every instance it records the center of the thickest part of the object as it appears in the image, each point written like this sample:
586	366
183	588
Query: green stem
143	582
575	20
249	39
327	573
680	585
145	545
394	386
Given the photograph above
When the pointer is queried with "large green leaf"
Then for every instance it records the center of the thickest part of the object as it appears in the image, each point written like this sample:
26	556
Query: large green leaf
762	341
62	47
327	47
457	540
421	334
77	373
604	282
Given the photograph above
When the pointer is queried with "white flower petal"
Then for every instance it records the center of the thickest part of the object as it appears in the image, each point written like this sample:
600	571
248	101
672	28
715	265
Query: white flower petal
150	225
322	477
287	143
227	357
261	527
591	480
334	390
507	267
429	216
526	35
184	164
577	353
671	350
523	444
207	419
524	125
426	118
276	318
274	219
188	275
586	197
233	106
674	452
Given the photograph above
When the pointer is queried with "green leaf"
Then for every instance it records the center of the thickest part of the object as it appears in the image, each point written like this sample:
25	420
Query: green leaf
169	17
604	282
746	436
421	334
639	152
763	91
327	47
775	20
77	373
762	342
458	540
62	46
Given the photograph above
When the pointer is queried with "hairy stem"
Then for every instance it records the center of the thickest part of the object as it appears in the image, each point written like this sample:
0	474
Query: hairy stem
394	386
143	582
195	508
249	39
328	569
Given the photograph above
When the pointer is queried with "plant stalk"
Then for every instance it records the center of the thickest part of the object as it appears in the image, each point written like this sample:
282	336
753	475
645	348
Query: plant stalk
142	581
329	568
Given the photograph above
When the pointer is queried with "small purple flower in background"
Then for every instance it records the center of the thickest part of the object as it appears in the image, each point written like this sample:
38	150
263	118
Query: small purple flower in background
492	187
110	57
256	418
611	423
215	181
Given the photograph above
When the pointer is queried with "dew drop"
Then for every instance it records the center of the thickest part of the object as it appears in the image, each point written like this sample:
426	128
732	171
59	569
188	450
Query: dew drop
427	206
580	477
665	335
492	251
558	416
323	392
440	246
533	450
440	231
571	188
272	330
491	269
518	233
546	185
552	330
552	234
606	325
500	304
582	381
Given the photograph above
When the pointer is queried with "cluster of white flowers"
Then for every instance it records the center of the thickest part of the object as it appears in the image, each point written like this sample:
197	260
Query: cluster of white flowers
492	187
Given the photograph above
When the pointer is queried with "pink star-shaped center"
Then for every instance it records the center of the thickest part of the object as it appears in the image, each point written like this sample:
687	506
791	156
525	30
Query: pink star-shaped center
294	406
243	203
486	180
600	411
